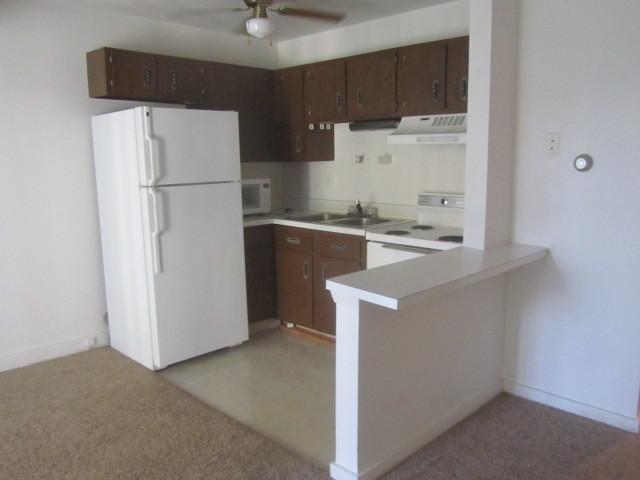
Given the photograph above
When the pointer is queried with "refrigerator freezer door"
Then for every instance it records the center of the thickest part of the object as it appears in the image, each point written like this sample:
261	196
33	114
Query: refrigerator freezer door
187	146
199	293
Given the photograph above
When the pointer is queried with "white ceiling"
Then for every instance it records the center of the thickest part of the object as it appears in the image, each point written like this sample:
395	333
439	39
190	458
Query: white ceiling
217	15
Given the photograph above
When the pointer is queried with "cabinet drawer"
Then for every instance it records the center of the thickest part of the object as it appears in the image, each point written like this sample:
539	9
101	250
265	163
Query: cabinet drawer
336	245
293	239
259	236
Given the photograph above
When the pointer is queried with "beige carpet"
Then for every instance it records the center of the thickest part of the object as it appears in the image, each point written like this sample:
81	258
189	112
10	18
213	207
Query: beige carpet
97	415
513	439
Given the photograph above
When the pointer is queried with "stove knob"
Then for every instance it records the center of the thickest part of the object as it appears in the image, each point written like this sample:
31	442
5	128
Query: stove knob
444	201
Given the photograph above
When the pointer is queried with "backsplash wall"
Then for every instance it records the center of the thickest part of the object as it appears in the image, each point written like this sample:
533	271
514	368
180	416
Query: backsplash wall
392	187
333	186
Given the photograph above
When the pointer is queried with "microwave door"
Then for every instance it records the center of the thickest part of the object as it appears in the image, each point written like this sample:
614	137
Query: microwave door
250	197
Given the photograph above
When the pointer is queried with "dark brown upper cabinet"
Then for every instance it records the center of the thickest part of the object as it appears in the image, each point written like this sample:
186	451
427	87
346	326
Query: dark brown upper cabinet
289	115
371	85
249	91
240	88
325	97
181	80
457	74
122	74
422	79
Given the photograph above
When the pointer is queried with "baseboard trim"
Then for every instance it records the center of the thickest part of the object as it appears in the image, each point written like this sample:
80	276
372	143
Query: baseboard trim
622	422
51	351
443	423
263	325
338	472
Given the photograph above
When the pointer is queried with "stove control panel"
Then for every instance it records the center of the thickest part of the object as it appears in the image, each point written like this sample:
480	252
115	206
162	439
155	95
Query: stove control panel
440	200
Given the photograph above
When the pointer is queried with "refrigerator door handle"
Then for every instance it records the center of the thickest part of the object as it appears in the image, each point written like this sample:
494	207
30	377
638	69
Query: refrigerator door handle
151	152
155	222
151	160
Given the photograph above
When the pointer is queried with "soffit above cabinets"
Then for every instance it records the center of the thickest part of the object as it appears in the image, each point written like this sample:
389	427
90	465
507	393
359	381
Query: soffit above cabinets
211	14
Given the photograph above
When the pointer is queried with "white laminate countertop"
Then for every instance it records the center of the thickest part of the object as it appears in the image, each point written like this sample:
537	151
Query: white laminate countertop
405	283
288	219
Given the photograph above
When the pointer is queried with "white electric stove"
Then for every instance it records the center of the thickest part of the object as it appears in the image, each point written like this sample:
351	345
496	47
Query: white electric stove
404	241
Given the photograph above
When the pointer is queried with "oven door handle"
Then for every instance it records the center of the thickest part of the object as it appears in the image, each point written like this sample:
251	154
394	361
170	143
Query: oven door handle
424	251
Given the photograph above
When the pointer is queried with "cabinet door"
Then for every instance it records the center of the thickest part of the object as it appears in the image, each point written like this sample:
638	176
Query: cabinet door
182	80
289	114
260	272
457	74
261	283
324	91
249	91
371	85
133	75
319	143
254	103
295	287
422	78
324	309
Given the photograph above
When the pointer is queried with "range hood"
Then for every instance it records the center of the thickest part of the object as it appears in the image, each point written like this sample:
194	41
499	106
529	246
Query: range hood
369	125
432	129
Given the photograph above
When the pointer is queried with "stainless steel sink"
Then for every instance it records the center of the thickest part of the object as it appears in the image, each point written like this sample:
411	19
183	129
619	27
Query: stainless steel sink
360	221
320	217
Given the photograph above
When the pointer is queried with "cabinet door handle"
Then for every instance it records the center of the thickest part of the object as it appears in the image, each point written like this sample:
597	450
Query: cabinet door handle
293	241
147	77
305	270
340	247
435	88
298	144
338	101
359	97
464	87
324	273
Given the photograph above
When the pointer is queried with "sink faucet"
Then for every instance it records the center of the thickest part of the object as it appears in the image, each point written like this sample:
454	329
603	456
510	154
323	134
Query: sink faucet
359	209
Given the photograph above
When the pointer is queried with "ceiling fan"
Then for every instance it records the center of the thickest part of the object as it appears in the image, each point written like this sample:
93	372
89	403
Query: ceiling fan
259	25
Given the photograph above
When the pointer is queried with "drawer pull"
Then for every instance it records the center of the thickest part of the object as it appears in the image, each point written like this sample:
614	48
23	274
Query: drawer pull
340	247
293	241
305	271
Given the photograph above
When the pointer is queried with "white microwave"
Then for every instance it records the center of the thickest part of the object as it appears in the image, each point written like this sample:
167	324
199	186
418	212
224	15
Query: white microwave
256	196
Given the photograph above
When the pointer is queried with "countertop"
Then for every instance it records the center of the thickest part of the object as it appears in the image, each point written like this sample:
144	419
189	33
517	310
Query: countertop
289	219
405	283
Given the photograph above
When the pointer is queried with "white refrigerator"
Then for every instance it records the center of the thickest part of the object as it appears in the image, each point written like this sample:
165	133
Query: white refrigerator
169	198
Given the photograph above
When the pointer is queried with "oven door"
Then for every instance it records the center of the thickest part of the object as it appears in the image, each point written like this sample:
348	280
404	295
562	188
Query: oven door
380	254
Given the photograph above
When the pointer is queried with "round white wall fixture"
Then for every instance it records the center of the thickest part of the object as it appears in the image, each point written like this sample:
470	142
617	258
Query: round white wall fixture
583	162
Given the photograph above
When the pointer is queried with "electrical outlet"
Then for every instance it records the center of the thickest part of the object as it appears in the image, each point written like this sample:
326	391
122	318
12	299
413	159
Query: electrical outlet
385	159
331	180
553	143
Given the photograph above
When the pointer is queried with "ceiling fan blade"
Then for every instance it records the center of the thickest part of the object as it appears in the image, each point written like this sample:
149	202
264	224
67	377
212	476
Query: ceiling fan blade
197	12
311	14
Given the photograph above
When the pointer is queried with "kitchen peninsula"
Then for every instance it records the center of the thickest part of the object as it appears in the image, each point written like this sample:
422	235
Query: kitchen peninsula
419	347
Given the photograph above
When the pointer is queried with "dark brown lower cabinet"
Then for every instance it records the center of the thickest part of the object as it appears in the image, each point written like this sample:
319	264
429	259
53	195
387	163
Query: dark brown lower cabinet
305	259
295	287
260	272
324	309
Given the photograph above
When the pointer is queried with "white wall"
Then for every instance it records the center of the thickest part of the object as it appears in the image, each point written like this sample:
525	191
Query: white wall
393	187
574	322
490	143
334	185
51	287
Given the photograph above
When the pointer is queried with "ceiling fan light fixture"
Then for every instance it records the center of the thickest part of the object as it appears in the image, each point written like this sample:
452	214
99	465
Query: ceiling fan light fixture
259	27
